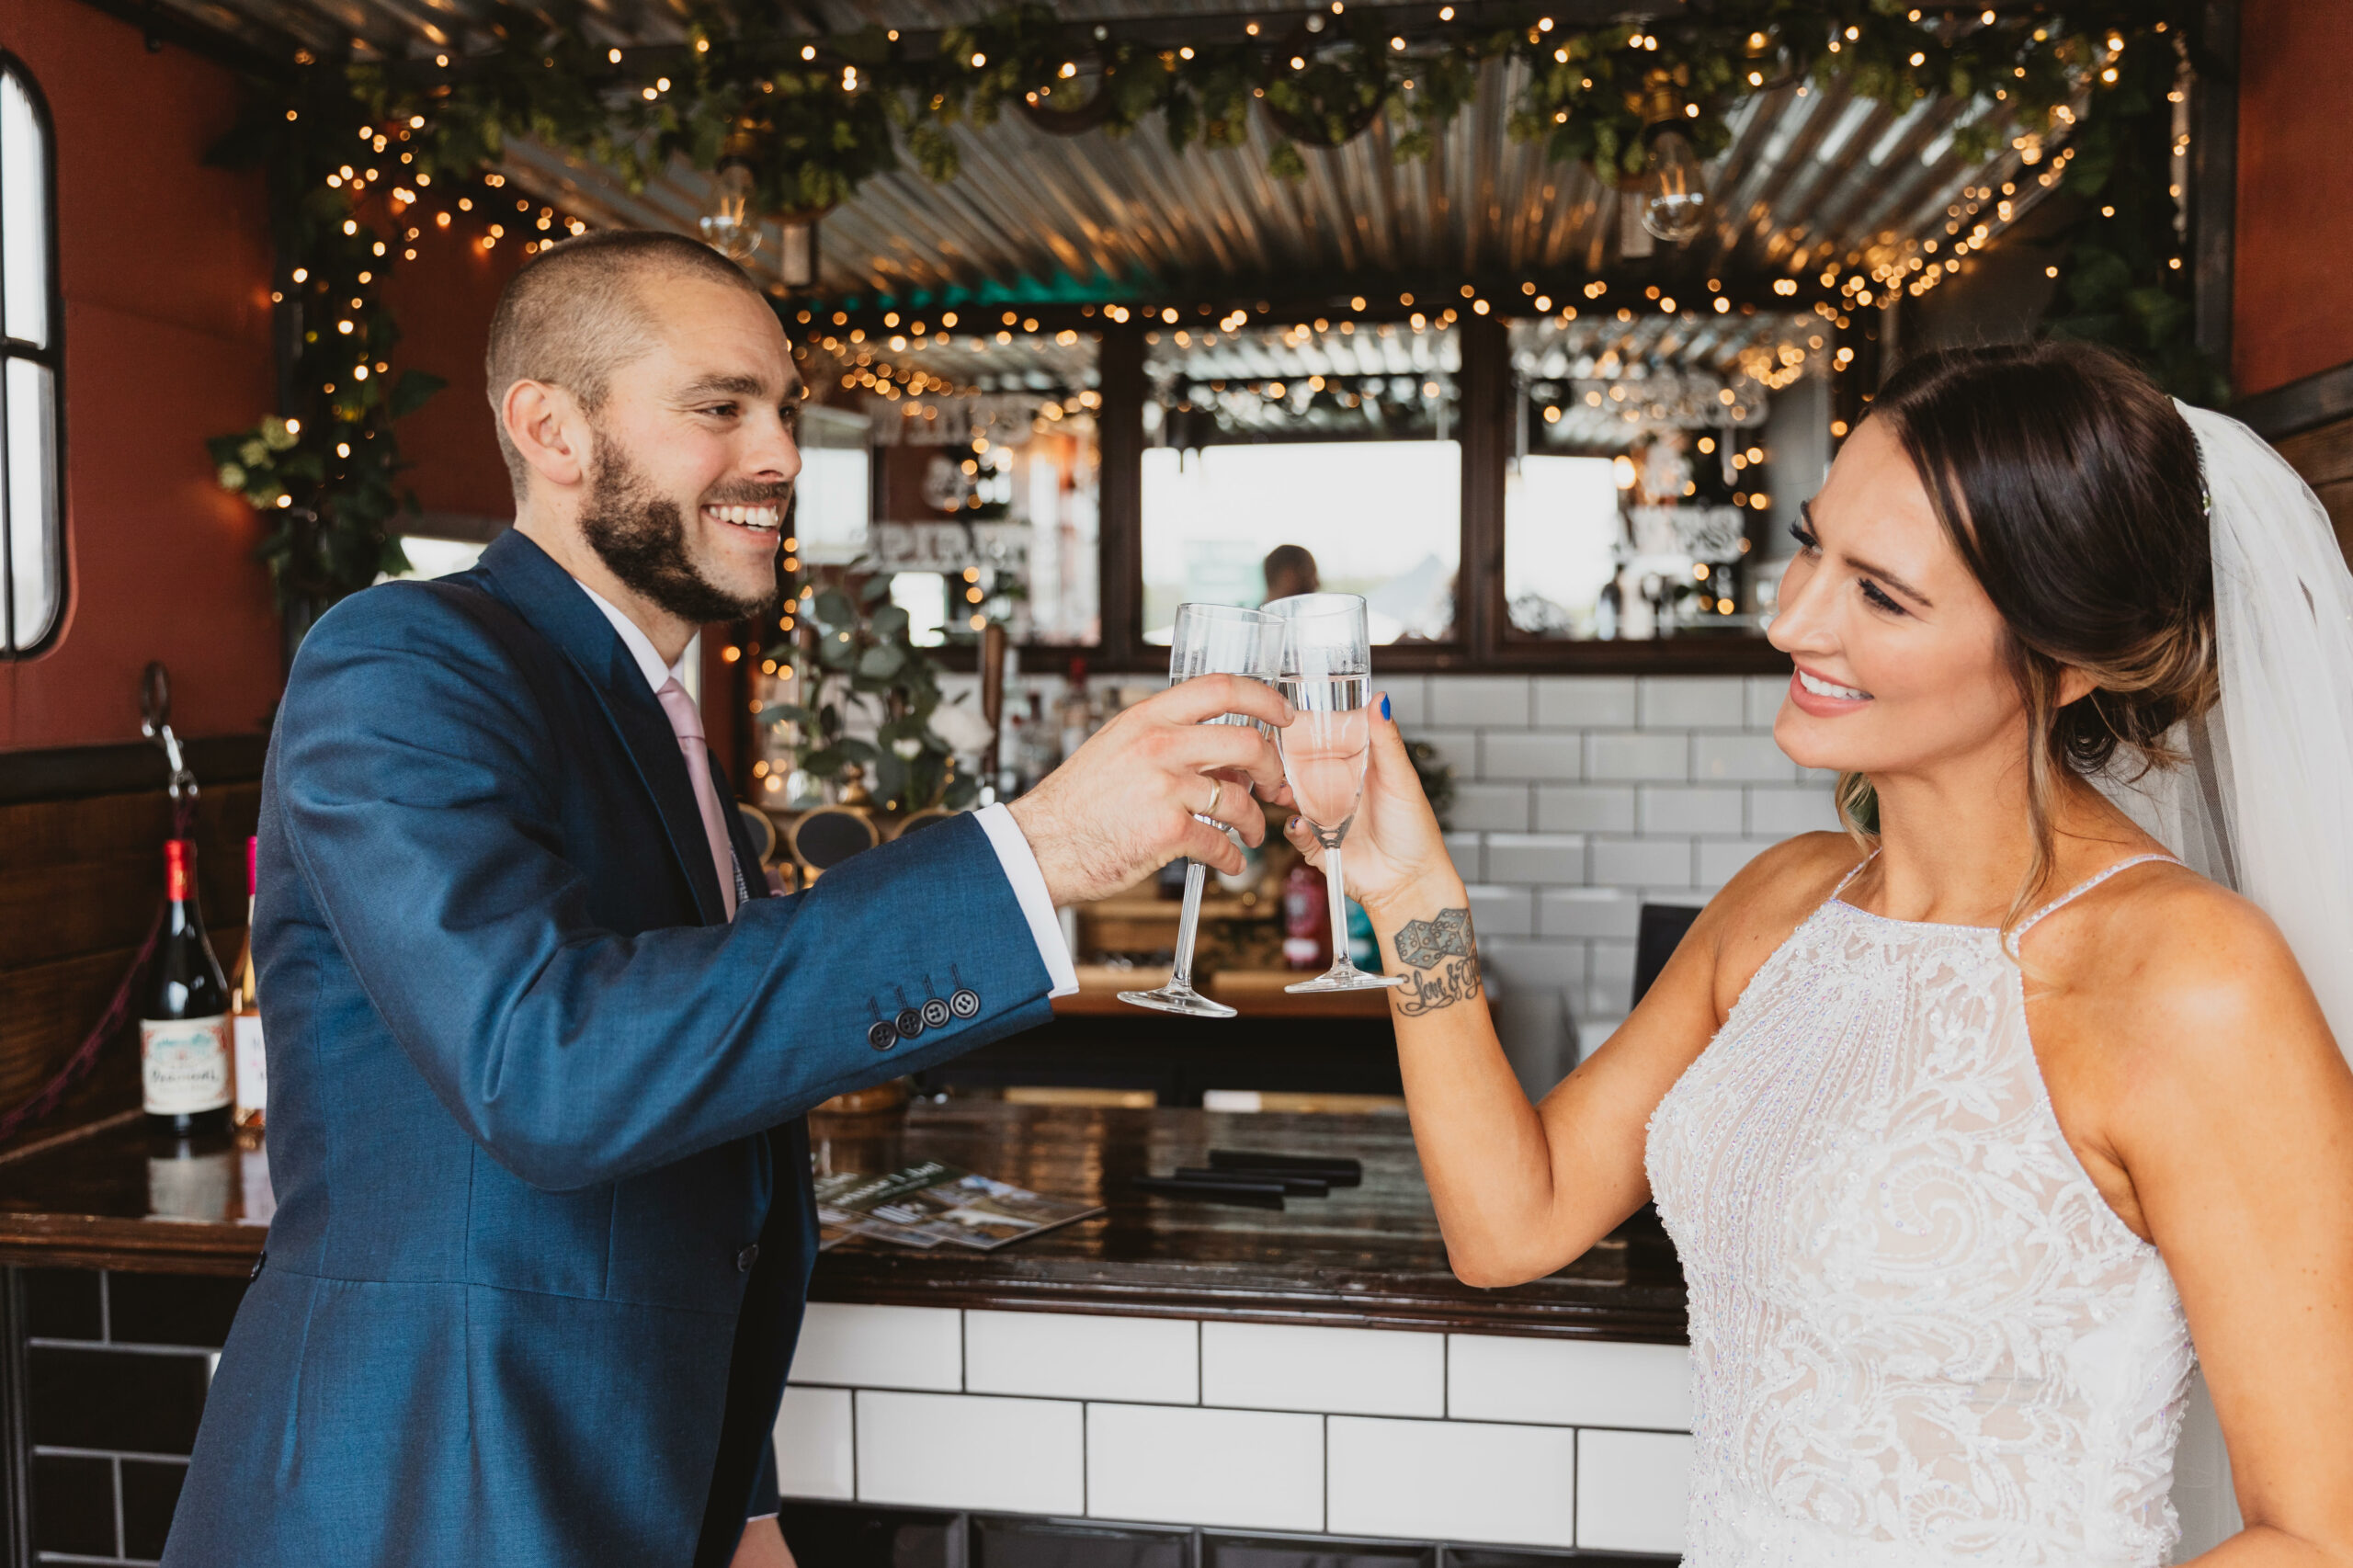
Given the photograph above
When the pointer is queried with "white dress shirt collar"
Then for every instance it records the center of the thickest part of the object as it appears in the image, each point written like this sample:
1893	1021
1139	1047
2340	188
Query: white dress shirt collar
641	647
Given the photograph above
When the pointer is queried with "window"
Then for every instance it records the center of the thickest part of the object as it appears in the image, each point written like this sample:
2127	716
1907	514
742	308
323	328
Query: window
32	553
963	462
1640	507
1288	457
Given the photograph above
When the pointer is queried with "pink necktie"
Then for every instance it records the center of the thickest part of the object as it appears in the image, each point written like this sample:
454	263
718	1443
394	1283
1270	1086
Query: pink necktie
688	725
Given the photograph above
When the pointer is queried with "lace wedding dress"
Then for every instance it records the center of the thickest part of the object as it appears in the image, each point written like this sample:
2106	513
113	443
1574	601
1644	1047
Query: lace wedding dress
1919	1335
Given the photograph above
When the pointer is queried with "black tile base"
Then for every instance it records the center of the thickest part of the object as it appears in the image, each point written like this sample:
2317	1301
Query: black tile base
1047	1543
150	1492
74	1506
61	1303
847	1534
820	1533
172	1309
118	1400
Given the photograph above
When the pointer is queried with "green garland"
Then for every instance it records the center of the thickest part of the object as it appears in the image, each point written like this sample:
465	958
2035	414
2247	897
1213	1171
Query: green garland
816	117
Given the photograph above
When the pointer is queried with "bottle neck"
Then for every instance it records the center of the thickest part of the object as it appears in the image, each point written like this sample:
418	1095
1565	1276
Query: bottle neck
179	886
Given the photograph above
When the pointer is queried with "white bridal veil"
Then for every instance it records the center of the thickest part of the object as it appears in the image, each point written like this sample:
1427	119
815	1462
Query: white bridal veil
2265	806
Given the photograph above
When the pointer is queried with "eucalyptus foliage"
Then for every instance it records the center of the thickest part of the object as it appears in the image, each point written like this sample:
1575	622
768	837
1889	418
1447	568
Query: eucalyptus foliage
857	653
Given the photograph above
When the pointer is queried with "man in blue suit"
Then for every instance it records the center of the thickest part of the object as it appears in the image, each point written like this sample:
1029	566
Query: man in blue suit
538	1044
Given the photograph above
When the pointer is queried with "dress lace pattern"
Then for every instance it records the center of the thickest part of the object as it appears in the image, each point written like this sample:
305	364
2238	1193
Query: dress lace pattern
1919	1335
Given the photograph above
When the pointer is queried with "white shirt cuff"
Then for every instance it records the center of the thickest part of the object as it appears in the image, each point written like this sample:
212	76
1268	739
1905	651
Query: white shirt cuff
1020	863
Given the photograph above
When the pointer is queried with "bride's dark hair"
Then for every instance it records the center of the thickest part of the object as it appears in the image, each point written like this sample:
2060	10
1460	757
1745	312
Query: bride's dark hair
2070	485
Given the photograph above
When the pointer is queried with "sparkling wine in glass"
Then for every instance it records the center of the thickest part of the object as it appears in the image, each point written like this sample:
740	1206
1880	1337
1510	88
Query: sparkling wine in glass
1208	639
1326	672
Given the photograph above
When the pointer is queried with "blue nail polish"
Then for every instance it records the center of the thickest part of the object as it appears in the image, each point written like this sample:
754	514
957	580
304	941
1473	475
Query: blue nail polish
1384	705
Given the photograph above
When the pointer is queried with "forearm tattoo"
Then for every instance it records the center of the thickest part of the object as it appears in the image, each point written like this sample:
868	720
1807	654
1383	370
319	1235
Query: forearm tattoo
1441	960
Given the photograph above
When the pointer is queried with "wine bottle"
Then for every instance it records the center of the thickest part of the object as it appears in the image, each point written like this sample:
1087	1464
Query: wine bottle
1307	918
184	1028
245	1018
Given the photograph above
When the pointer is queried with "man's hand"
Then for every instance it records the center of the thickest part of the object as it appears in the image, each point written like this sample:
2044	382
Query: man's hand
763	1546
1123	803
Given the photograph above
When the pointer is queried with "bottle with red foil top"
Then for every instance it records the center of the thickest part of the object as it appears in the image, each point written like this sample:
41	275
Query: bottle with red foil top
1307	918
184	1039
245	1019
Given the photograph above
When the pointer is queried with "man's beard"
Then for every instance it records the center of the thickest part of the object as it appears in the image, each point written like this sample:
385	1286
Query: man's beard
641	536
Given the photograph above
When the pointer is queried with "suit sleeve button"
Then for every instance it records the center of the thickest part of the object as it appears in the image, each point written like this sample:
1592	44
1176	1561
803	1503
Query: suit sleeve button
748	1256
883	1035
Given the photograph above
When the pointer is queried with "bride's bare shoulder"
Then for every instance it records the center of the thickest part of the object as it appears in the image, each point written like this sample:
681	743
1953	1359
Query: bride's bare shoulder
2190	971
1785	884
1769	898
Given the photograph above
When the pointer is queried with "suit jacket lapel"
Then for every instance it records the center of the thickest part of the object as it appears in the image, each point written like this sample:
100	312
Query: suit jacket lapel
542	593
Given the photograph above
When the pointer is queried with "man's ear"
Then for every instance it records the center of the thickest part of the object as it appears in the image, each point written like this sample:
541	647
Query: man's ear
548	428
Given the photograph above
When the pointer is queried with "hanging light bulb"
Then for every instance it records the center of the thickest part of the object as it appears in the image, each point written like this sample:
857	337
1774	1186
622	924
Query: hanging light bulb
1675	190
728	226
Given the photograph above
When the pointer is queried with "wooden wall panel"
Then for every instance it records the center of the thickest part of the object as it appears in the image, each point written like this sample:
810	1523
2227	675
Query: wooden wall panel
79	883
2324	457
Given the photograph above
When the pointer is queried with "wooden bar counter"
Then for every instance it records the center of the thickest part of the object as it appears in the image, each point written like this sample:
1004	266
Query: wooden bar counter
1136	1382
1366	1256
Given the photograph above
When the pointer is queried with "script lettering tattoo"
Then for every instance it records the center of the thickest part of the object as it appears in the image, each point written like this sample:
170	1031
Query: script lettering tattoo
1443	962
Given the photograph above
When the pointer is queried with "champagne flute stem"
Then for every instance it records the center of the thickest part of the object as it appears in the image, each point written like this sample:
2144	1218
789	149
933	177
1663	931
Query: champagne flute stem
1339	907
1196	874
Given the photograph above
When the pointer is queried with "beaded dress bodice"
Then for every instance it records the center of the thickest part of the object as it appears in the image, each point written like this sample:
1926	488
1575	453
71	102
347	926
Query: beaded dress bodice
1919	1335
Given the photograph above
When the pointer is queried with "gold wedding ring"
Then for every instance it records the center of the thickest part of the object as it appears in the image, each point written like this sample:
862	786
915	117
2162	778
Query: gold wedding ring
1217	789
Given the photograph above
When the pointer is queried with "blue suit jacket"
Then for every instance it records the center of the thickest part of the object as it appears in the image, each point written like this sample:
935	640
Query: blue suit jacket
522	1087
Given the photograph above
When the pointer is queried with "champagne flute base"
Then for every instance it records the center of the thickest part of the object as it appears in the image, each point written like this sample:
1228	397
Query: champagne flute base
1345	976
1177	997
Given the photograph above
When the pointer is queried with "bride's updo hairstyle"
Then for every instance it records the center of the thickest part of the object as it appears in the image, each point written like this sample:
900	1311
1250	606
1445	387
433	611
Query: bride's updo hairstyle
2070	485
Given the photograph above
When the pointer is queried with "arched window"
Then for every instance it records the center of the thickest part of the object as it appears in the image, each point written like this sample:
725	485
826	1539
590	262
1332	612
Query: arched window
32	529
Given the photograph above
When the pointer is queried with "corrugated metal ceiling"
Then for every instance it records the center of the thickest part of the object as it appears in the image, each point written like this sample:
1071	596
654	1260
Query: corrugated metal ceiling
1810	174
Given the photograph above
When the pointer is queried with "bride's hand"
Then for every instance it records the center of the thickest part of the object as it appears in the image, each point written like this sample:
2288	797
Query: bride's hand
1393	855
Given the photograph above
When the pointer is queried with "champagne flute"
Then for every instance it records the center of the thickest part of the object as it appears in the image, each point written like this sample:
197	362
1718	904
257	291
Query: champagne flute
1208	639
1326	672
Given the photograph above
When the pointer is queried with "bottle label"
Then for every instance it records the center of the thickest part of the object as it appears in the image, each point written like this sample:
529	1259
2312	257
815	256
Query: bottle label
193	1186
253	1067
183	1064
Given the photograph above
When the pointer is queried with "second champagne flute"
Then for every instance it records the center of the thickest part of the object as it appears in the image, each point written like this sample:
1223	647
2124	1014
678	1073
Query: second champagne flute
1327	675
1208	639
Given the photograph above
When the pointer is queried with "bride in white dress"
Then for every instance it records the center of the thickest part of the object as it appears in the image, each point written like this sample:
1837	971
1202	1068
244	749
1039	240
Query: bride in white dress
1969	1122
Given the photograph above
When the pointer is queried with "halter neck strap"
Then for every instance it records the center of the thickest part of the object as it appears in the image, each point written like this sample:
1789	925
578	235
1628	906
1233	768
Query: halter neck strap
1851	875
2082	888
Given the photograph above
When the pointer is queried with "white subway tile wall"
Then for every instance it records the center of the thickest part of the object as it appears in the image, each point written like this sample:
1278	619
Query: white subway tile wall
1243	1469
1454	1481
1584	797
813	1445
1630	1489
1074	1356
947	1451
1634	788
1379	1432
1568	1383
881	1347
1366	1371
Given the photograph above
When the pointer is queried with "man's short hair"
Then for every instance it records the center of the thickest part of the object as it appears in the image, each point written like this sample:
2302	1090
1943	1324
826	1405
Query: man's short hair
576	312
1289	560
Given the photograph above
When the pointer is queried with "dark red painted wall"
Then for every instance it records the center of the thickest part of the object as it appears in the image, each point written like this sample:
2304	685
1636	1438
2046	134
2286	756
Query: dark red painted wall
2292	313
164	268
443	301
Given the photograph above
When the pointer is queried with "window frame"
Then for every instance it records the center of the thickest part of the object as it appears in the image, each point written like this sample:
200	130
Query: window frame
52	357
1483	643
